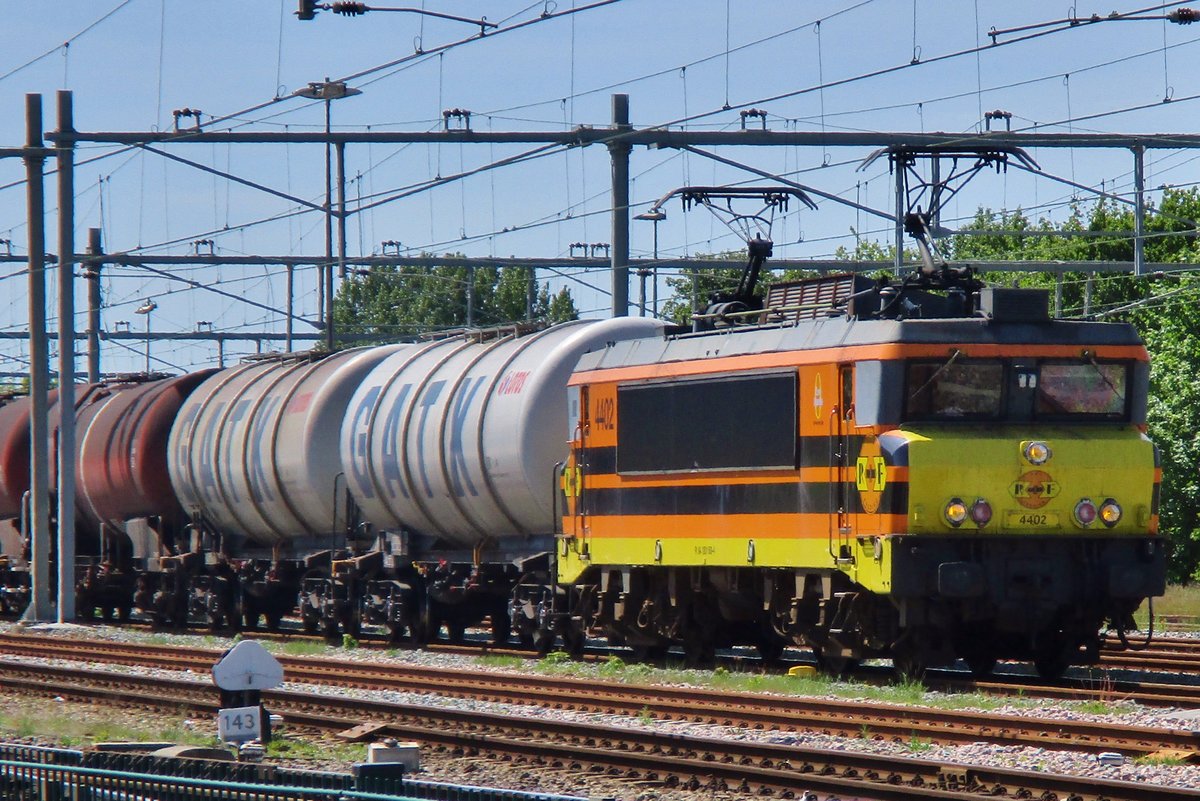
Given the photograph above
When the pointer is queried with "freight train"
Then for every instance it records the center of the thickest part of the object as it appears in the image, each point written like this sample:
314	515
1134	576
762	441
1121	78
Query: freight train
923	471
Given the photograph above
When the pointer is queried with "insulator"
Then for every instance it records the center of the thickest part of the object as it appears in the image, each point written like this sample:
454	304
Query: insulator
1184	16
350	9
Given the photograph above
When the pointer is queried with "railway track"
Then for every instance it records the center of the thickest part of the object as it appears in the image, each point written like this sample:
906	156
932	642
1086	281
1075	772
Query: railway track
744	710
1164	654
670	760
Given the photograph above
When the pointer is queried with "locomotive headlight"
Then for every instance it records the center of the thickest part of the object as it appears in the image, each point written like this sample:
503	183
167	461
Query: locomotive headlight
1037	452
1085	512
981	512
1110	512
955	512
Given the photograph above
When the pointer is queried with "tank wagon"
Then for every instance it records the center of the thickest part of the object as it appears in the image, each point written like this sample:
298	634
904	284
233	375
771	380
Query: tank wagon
923	471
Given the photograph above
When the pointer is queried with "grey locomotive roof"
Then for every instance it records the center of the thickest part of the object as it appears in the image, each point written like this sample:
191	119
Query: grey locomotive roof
838	332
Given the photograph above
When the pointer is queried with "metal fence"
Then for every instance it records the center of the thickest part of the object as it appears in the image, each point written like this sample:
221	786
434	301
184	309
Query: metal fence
34	773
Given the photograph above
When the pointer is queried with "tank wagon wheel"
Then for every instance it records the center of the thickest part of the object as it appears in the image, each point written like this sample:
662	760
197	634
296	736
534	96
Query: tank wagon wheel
699	651
456	633
770	649
543	641
310	624
501	629
651	653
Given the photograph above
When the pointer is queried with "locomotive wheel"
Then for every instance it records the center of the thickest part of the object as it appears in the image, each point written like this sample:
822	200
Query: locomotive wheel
833	664
650	653
909	662
124	613
396	632
698	652
980	664
456	633
273	621
310	624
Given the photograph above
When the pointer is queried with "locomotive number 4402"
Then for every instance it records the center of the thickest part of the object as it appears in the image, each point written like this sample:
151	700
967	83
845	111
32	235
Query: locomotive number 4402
1031	520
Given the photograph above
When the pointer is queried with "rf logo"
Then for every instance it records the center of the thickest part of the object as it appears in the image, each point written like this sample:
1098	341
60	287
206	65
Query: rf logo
572	481
1034	489
870	476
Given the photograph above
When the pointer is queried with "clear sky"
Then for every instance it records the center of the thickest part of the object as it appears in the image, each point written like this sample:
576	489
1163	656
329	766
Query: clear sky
130	63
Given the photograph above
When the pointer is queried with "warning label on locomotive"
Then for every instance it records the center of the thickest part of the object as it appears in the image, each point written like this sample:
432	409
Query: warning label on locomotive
1034	489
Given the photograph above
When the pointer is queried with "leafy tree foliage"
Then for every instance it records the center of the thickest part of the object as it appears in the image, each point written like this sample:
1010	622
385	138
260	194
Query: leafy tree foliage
397	303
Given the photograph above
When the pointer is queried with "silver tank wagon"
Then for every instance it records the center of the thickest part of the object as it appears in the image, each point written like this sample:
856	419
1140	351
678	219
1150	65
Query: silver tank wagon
255	447
458	438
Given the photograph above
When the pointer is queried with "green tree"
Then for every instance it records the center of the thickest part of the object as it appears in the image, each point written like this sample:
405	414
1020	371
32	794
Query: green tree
394	303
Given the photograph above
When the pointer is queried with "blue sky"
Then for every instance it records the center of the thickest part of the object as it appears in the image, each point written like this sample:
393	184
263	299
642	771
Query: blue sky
675	59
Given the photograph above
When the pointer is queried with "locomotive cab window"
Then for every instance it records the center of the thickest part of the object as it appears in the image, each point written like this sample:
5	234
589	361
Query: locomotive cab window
1086	388
727	423
954	389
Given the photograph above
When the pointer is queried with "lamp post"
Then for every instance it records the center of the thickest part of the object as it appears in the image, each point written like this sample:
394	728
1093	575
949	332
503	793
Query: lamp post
148	306
328	91
655	216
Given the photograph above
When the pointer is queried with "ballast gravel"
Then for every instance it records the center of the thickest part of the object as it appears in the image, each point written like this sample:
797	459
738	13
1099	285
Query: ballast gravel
498	773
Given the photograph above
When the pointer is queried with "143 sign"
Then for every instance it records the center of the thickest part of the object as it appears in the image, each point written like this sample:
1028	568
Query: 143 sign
240	724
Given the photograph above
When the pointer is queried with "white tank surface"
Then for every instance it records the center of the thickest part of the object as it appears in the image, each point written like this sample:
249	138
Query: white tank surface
255	447
458	438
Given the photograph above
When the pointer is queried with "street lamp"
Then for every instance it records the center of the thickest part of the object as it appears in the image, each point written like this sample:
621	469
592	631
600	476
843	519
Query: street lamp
147	306
328	91
655	216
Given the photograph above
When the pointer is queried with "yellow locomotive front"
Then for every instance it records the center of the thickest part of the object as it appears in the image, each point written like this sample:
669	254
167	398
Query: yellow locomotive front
1031	503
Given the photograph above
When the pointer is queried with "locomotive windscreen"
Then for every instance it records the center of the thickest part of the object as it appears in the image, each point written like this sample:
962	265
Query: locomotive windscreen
733	423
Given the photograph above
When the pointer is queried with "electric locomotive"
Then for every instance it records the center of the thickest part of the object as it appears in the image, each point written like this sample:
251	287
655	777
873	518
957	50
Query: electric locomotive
925	472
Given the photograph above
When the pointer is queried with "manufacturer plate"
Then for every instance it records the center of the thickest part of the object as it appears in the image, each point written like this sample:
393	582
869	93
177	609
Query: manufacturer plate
1030	519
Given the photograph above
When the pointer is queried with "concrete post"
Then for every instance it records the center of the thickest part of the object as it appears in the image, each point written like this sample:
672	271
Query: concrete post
66	363
39	379
619	153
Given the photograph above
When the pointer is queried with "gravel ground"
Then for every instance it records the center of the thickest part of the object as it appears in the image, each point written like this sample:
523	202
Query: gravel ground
496	773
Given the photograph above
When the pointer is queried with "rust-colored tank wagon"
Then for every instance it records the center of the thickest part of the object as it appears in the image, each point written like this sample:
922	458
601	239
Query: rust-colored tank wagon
122	435
14	453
